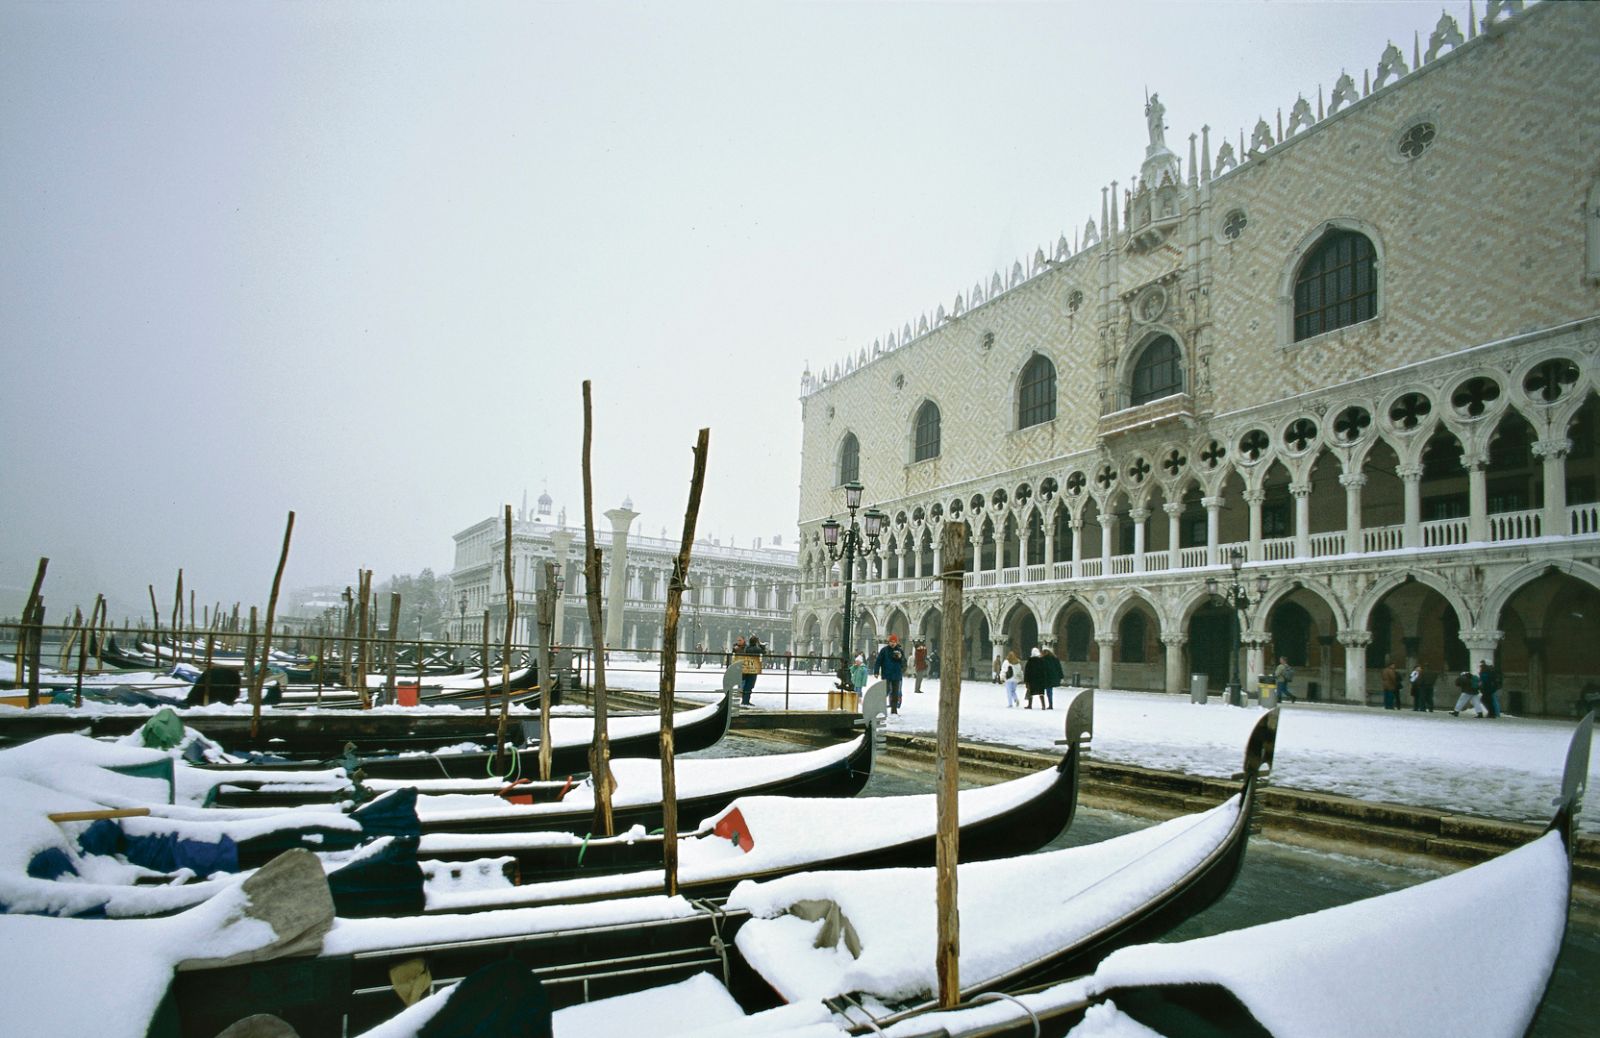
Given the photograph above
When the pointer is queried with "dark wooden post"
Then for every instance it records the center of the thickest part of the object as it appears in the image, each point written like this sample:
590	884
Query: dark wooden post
483	672
35	645
947	960
266	641
394	656
600	750
546	603
505	648
669	667
177	619
249	668
155	622
363	580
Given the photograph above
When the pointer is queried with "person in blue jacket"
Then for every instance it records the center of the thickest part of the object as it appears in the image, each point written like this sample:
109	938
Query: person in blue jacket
890	664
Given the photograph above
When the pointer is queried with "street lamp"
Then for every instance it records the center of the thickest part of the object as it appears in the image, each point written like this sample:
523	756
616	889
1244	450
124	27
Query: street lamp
461	628
850	546
1234	593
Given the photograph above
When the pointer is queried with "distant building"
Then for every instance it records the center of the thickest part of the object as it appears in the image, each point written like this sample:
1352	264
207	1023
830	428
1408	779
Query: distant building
1359	346
733	592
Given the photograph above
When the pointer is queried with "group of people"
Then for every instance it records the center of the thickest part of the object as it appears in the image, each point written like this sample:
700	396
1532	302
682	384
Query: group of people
890	664
1039	676
1479	691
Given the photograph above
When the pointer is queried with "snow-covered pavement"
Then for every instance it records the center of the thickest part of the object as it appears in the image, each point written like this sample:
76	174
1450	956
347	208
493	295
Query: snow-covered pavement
1506	768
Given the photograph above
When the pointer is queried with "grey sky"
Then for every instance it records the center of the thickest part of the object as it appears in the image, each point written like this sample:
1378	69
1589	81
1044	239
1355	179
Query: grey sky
355	259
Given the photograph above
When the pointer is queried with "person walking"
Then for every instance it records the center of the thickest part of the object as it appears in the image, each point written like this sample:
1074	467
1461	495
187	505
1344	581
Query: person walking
1007	671
1428	678
1467	693
890	664
919	664
1033	673
750	659
1489	687
998	661
1052	677
933	662
1282	676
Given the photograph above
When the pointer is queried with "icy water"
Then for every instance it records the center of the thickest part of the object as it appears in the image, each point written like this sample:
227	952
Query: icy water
1279	881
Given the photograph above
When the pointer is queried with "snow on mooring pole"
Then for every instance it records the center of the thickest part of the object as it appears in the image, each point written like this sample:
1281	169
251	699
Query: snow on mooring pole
669	667
600	751
947	957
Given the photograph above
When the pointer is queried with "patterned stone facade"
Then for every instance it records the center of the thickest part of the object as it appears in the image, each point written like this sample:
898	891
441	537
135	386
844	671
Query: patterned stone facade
1416	485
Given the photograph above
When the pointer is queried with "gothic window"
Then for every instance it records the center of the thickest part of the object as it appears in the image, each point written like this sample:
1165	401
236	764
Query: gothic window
1417	139
1036	392
1158	372
927	432
1336	286
849	460
1234	224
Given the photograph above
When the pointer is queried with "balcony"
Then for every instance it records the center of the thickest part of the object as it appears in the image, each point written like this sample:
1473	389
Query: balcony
1503	528
1176	408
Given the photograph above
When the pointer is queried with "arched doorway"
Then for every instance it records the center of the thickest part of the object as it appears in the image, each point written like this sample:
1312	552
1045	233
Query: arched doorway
1549	658
977	648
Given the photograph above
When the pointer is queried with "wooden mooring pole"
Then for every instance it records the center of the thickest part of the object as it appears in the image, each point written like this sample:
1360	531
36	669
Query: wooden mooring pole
266	641
669	668
947	961
505	647
600	750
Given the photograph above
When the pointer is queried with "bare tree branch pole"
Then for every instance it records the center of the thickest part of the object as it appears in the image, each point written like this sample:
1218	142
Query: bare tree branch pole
947	955
505	647
266	642
600	750
669	667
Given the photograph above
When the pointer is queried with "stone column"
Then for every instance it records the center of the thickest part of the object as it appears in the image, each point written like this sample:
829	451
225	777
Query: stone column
1355	665
1477	502
561	543
1554	454
1481	645
1353	482
1302	519
1106	522
1254	497
998	645
1073	567
617	591
1213	527
1255	648
1049	544
1108	644
1138	515
1175	644
1174	510
1411	479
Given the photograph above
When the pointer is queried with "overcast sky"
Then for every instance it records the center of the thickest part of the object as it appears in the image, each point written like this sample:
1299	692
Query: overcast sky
355	259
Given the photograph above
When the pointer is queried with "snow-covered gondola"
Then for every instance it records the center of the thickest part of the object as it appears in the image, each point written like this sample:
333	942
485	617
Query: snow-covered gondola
765	836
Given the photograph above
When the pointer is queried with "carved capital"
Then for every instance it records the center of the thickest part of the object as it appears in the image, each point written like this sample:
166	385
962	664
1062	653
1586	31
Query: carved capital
1555	447
1138	515
1213	503
1106	637
1174	640
1173	508
1353	480
1409	473
1254	496
1355	639
1300	489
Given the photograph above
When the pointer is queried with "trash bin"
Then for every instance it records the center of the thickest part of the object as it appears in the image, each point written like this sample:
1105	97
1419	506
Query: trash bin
1268	690
1199	686
1513	701
407	693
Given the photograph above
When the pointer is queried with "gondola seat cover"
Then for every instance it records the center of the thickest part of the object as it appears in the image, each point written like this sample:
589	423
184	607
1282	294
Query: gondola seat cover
501	1000
391	814
387	882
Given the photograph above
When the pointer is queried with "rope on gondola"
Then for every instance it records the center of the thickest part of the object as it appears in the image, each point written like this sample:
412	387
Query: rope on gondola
993	996
718	943
516	765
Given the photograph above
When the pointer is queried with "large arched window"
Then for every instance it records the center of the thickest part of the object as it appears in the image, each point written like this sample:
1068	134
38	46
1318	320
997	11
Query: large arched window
849	460
1036	392
925	441
1336	285
1158	373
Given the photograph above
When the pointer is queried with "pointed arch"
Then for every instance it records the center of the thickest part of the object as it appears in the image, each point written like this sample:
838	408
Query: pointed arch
1036	392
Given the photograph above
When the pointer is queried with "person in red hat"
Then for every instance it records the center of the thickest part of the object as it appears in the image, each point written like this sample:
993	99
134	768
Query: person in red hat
890	664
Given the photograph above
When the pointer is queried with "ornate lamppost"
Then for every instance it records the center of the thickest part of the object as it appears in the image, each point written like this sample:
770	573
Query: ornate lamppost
1235	594
461	628
846	550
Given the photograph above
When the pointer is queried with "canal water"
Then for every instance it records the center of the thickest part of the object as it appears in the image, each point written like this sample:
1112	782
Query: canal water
1279	881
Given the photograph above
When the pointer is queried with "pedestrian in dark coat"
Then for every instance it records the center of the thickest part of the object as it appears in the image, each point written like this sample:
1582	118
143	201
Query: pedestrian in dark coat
1052	677
1489	687
1391	687
1033	675
890	663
